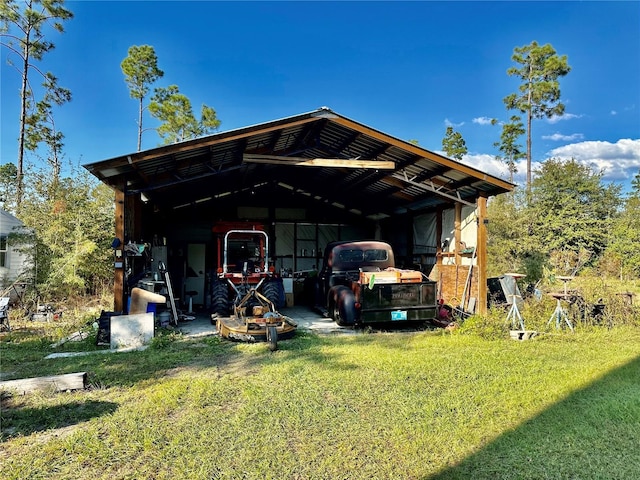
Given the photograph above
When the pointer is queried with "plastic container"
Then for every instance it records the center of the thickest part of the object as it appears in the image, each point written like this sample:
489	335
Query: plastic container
164	318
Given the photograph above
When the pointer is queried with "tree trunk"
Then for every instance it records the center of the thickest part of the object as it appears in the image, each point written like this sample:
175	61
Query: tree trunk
529	110
529	151
140	125
23	121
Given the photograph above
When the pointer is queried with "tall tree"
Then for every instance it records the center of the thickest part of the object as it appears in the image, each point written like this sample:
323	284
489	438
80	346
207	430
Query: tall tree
564	223
8	184
538	67
507	247
41	125
23	29
179	123
635	185
72	219
624	247
140	70
510	150
453	144
571	213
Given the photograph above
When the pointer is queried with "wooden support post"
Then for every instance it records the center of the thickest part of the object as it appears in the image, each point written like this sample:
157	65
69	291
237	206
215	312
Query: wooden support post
439	236
410	261
481	254
118	285
458	232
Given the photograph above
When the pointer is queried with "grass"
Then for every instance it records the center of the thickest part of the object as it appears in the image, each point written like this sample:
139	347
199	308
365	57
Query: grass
424	405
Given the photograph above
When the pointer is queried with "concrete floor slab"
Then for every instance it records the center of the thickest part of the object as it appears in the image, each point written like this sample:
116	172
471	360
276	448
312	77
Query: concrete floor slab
305	317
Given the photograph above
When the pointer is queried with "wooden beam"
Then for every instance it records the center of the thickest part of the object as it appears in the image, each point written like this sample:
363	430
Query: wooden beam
394	182
403	196
56	383
439	241
319	162
118	284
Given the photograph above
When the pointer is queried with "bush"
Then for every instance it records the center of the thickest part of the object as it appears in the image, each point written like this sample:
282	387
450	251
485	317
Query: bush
490	326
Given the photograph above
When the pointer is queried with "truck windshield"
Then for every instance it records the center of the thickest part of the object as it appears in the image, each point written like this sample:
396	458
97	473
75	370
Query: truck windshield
357	256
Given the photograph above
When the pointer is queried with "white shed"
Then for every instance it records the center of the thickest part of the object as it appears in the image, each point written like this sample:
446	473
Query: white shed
12	261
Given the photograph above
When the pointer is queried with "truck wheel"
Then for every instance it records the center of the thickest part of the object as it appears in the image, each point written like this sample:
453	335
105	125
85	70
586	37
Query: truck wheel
272	337
334	312
342	306
220	298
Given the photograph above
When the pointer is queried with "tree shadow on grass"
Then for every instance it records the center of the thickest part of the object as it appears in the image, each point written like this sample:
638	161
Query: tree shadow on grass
592	433
17	420
25	358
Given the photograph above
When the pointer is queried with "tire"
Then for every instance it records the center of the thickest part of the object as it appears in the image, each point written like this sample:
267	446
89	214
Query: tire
220	298
251	302
342	306
334	312
318	296
272	337
274	291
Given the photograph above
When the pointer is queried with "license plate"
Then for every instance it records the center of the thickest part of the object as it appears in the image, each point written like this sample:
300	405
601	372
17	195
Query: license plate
399	315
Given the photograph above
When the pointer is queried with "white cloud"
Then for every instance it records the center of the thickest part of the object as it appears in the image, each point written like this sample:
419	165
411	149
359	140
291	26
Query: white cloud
483	120
613	112
556	137
449	123
619	161
487	163
498	168
566	116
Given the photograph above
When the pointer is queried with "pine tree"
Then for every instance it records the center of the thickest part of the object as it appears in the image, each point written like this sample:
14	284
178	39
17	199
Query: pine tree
23	31
179	123
453	144
539	68
140	70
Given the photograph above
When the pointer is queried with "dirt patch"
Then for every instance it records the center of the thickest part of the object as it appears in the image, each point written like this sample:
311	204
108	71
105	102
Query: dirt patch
225	364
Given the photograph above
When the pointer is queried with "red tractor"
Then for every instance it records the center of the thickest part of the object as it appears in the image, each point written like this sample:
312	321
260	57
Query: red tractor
243	264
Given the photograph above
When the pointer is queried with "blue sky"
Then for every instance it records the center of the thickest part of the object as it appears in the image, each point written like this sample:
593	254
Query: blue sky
408	69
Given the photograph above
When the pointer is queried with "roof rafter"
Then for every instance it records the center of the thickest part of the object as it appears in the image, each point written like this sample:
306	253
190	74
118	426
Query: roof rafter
431	187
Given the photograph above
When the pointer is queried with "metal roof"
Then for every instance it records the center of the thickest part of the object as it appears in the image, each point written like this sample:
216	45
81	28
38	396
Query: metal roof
272	157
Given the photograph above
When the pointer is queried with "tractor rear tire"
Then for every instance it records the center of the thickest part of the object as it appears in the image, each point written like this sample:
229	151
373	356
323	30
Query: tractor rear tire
220	298
274	291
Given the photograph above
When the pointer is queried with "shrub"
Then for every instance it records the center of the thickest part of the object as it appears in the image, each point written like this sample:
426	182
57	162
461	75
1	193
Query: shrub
490	326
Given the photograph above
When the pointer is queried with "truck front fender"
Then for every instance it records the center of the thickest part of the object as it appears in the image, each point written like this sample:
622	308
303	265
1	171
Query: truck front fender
342	305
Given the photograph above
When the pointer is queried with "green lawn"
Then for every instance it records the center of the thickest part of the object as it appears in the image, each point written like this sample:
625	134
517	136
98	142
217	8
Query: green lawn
367	406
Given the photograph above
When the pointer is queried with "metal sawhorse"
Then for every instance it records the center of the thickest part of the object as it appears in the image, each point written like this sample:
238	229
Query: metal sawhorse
560	315
514	315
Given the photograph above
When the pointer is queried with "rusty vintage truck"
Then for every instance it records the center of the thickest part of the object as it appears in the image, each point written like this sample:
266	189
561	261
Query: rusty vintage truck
359	284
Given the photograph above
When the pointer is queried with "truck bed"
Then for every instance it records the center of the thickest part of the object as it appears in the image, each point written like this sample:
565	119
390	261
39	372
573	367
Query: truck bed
391	302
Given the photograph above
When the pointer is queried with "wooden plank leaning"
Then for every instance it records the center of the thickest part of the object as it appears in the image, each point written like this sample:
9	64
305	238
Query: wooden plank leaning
55	383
